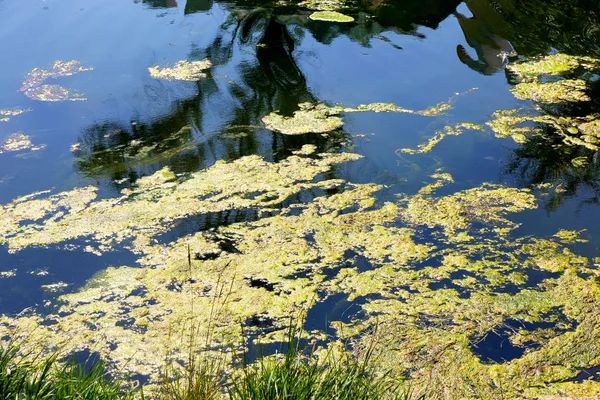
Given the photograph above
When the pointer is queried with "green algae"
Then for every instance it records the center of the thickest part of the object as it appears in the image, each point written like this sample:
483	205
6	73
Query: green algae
8	274
326	5
280	261
330	16
308	119
19	142
439	136
6	114
35	88
306	150
568	90
319	118
553	65
535	86
158	201
434	111
555	83
521	125
182	71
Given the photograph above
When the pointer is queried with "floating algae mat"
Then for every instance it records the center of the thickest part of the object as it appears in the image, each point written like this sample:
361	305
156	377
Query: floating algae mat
309	119
182	71
35	86
18	142
7	114
249	271
319	118
190	208
572	80
331	16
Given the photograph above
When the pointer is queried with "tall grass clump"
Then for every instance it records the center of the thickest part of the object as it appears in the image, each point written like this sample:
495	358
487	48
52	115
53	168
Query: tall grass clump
203	375
33	378
301	376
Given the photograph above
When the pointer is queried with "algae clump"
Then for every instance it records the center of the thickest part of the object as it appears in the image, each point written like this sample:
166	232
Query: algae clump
320	118
331	16
553	65
267	268
182	71
6	114
568	90
308	119
35	88
326	5
18	142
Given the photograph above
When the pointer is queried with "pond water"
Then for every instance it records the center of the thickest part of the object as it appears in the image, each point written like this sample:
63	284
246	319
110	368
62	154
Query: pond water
106	122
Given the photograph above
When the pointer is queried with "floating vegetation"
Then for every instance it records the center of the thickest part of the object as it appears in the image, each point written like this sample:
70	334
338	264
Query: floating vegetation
8	274
19	142
435	111
568	90
321	118
55	287
521	124
573	75
309	119
35	88
159	201
182	71
444	272
331	16
326	5
455	130
6	114
553	65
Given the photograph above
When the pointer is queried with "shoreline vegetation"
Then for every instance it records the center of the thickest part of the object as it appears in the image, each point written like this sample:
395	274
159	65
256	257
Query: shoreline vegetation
296	372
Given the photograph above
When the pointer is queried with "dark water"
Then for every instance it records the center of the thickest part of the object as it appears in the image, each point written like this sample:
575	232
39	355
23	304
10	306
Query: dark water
413	53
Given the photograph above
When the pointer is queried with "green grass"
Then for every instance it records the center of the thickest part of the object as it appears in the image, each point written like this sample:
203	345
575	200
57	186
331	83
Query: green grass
299	376
295	374
36	378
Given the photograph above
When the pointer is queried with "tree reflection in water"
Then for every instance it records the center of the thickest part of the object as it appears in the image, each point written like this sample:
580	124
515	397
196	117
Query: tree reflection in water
261	45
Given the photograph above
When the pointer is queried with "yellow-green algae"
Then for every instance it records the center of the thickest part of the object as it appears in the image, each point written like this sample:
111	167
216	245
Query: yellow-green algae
182	71
568	90
6	114
158	201
319	118
521	124
308	119
535	86
326	5
331	16
456	130
18	142
35	88
137	316
553	65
